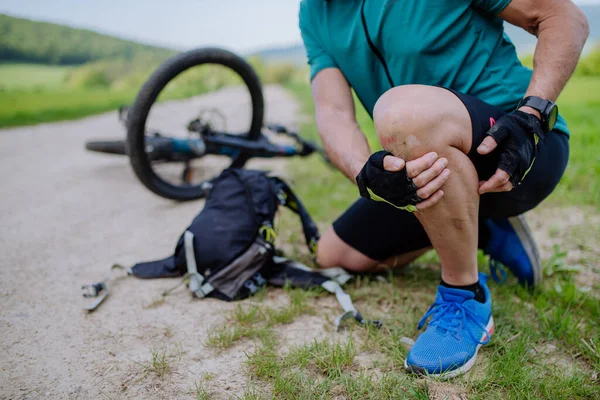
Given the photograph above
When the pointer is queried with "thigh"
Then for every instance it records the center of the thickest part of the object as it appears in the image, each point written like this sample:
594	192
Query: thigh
380	231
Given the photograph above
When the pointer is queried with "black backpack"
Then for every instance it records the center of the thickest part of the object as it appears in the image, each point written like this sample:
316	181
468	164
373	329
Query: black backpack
228	251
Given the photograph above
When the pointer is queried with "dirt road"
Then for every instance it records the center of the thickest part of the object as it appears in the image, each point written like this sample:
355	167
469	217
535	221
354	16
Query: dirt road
66	216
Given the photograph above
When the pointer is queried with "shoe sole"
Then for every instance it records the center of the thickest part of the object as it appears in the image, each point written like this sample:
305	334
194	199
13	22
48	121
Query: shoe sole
458	371
519	224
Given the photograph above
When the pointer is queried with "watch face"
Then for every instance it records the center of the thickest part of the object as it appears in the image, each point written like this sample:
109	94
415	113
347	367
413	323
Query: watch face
552	117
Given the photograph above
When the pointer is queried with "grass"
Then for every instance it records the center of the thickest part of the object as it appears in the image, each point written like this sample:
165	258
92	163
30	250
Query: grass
200	389
255	321
545	346
20	76
158	364
33	93
161	361
30	107
580	105
324	369
200	392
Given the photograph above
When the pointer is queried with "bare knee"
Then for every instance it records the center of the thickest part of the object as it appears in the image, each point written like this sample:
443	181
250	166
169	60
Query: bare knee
413	120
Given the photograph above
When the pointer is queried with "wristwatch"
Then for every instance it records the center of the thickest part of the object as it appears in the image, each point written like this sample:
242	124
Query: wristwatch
547	109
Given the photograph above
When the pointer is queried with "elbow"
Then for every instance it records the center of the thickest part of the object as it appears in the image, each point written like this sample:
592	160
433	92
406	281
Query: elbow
581	22
586	27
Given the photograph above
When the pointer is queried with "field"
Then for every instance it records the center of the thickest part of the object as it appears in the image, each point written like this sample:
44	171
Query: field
18	76
32	93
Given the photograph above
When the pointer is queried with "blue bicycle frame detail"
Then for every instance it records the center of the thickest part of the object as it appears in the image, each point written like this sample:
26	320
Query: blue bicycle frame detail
187	146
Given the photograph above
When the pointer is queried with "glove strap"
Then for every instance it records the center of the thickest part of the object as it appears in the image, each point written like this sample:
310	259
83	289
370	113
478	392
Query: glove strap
373	196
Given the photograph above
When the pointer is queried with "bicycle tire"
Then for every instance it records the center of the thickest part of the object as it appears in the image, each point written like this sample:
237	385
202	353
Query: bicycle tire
116	147
138	113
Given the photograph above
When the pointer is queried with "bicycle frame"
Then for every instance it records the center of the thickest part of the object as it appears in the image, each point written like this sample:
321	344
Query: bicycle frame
231	146
228	144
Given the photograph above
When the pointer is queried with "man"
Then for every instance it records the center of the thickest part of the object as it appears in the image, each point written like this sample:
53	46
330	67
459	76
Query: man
471	136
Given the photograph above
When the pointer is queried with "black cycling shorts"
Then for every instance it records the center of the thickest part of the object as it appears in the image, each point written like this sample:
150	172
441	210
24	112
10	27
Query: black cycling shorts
380	231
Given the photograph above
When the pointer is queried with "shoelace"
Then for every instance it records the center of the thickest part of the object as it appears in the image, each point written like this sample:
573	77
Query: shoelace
445	314
496	266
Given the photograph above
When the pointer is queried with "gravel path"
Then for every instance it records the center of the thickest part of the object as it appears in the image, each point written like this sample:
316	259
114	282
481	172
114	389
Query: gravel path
67	215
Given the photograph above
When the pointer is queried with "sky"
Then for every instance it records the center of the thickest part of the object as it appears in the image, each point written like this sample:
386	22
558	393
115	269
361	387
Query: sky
240	25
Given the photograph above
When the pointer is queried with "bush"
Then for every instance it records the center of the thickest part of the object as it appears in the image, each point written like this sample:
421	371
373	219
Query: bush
590	64
279	73
88	78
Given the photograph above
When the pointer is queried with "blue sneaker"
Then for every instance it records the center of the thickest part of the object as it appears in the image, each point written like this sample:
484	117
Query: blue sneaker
511	243
458	327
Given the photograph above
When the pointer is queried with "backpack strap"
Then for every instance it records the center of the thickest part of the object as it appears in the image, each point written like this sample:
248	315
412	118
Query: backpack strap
195	280
100	290
330	279
332	286
289	199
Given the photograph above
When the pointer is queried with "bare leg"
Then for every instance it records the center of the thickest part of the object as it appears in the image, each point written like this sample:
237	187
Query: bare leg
334	252
413	120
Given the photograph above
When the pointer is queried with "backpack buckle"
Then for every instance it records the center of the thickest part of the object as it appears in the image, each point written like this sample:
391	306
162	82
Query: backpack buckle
268	233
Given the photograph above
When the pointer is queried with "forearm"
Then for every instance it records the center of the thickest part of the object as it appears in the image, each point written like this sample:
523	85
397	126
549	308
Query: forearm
561	38
344	142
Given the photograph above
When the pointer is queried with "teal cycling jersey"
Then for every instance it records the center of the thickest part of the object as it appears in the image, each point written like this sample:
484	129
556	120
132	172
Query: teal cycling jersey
378	44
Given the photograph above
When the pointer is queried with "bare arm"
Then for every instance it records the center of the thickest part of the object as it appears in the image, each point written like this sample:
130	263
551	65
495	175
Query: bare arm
561	29
345	144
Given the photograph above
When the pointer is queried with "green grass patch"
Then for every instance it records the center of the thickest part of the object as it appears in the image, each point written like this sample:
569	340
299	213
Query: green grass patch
256	321
161	362
227	335
326	369
26	107
580	105
545	346
546	343
19	76
32	93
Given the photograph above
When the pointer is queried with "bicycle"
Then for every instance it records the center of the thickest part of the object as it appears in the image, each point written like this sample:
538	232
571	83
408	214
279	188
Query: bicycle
149	148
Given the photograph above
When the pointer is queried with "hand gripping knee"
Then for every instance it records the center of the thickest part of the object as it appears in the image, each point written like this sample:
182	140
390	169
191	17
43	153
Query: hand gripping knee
394	188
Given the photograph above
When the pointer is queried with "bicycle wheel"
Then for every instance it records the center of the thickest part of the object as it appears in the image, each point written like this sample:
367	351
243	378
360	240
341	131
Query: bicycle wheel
107	146
156	105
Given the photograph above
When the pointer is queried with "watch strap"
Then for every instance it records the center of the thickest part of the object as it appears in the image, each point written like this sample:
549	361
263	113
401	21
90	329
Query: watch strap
537	103
543	106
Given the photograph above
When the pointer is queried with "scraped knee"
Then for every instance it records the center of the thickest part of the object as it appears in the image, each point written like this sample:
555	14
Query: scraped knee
413	120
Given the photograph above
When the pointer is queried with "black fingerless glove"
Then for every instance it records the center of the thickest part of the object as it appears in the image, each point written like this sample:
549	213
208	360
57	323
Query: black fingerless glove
517	135
394	188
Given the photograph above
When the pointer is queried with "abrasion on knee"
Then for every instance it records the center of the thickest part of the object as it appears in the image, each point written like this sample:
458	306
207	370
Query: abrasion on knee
410	125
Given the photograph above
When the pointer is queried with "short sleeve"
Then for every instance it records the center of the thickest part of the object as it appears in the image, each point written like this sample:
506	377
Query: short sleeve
318	59
491	6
